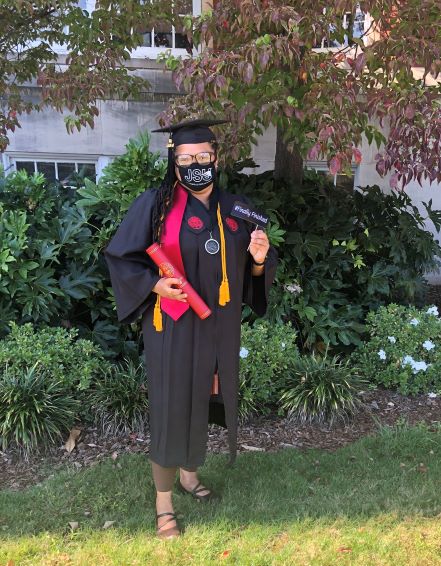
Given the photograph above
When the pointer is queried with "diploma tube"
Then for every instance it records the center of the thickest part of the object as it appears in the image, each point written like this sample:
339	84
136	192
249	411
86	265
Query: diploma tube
169	270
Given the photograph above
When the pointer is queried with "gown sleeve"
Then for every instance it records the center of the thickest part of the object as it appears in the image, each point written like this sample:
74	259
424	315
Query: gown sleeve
133	274
256	288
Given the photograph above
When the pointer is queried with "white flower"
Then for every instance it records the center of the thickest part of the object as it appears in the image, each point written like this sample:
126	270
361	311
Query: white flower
419	366
428	345
408	360
283	345
414	322
392	339
243	353
382	354
416	366
432	395
432	310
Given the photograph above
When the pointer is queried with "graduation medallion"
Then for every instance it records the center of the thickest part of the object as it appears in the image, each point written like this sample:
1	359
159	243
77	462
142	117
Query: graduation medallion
211	245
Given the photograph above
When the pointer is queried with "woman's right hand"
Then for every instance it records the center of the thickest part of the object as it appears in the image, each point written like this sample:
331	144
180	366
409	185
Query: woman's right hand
166	287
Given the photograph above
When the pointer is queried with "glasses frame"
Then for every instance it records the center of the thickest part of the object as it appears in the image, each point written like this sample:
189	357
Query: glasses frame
213	157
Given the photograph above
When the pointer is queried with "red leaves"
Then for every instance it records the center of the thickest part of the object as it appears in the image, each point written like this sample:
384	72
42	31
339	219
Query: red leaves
325	133
314	152
335	165
264	58
359	63
248	73
393	182
200	87
356	153
262	52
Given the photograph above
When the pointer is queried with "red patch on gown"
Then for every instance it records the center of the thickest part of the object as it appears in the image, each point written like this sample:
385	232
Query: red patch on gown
232	224
195	222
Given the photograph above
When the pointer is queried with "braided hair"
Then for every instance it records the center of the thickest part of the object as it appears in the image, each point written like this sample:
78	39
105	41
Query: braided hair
163	202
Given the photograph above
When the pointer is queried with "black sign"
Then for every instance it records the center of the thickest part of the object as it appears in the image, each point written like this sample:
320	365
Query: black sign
242	210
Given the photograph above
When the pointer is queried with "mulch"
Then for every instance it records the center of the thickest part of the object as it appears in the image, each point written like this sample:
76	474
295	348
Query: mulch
260	434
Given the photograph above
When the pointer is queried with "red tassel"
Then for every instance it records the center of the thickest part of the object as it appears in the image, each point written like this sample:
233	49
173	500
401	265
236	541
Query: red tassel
215	385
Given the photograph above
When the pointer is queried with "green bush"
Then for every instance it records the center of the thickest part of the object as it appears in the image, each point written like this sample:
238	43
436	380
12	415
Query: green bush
342	253
34	409
51	242
403	350
118	399
321	389
55	352
266	356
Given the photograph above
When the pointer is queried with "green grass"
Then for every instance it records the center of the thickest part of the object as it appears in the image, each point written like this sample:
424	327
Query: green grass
371	503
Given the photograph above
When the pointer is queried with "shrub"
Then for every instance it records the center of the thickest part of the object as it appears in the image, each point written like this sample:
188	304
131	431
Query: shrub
55	352
403	350
119	399
51	241
266	356
342	253
34	409
321	389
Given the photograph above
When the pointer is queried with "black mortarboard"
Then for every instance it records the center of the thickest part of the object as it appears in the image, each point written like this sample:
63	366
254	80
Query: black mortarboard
189	131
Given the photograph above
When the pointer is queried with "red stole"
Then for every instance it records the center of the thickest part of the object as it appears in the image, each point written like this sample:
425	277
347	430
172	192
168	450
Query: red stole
170	245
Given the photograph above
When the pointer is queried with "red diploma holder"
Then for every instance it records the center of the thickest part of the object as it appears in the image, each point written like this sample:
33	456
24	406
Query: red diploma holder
169	270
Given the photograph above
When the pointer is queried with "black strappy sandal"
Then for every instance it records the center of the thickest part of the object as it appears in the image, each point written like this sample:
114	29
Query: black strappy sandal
196	490
171	532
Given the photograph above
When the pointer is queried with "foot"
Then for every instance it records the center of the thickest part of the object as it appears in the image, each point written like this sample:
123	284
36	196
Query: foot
166	526
189	480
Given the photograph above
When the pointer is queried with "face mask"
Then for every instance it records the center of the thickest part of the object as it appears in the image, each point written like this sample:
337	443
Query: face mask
197	177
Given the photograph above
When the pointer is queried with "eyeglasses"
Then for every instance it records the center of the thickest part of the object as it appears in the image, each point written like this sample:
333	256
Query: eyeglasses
202	158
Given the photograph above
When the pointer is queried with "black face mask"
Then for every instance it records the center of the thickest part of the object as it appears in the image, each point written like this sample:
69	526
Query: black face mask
197	177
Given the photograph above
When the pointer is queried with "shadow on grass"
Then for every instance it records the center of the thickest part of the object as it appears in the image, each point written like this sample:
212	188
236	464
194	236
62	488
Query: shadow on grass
397	471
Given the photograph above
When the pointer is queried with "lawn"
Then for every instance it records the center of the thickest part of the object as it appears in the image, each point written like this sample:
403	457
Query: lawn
375	502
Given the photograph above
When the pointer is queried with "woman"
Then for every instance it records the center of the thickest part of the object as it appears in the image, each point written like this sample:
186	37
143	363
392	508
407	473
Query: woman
192	364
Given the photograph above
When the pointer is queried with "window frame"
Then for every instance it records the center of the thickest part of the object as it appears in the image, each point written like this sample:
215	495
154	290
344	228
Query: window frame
322	167
366	26
55	159
144	52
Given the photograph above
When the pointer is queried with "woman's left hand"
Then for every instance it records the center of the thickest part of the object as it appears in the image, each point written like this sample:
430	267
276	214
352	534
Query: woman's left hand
259	245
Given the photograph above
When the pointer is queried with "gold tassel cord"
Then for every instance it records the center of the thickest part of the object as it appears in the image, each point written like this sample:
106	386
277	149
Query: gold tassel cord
157	314
224	289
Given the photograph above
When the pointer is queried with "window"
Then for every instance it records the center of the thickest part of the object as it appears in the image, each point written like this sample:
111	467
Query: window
355	22
341	180
165	36
60	170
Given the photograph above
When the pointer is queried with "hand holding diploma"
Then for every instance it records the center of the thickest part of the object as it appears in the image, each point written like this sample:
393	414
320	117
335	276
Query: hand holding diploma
166	285
169	287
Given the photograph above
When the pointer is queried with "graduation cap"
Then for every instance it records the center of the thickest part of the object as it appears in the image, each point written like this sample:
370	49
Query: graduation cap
189	131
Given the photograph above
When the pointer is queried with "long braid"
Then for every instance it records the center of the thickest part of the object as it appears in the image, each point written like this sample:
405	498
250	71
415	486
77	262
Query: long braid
164	196
163	202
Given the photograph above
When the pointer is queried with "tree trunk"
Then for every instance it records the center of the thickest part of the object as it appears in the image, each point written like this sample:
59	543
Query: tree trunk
288	165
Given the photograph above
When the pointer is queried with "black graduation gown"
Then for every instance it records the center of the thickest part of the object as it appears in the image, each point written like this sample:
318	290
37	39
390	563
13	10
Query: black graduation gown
181	360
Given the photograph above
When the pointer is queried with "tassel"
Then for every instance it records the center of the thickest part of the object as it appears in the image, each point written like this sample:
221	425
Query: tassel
157	315
224	293
224	289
